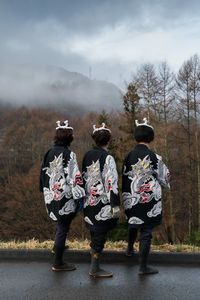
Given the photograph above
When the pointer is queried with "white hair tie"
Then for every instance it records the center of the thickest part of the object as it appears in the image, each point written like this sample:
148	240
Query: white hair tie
103	127
143	124
65	126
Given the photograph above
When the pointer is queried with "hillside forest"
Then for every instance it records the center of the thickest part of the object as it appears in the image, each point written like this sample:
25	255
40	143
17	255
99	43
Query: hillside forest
170	101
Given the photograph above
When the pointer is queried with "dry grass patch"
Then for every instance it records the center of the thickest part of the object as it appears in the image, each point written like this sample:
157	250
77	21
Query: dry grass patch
84	245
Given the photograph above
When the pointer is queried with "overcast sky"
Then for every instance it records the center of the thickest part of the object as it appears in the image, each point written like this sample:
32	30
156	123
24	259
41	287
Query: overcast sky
111	37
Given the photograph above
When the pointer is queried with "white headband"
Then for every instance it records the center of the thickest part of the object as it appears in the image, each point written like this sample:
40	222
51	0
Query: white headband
100	128
145	123
63	126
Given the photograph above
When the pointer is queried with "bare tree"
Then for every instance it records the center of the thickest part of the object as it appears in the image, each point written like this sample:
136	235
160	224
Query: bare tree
147	84
194	62
166	98
167	102
185	98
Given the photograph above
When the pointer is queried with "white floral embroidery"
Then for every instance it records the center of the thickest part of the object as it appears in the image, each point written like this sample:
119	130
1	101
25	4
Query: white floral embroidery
48	195
94	185
104	214
110	176
66	189
74	177
55	168
135	220
57	182
143	183
68	208
78	192
156	210
129	201
71	169
52	216
91	200
59	186
163	173
157	192
88	221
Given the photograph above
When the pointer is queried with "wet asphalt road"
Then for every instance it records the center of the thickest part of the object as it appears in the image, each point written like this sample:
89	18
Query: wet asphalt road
36	281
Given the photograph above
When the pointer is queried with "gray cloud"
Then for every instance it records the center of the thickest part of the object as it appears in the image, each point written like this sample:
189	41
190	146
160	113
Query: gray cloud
112	36
91	14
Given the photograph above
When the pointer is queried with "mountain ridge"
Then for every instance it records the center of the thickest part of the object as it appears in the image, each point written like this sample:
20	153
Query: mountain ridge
44	85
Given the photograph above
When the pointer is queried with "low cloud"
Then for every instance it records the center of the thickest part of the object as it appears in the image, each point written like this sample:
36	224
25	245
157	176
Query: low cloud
111	37
55	87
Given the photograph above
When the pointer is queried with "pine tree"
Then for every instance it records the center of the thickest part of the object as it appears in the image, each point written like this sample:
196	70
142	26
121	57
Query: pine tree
131	107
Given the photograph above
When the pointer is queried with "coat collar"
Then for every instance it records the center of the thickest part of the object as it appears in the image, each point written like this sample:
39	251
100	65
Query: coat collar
142	146
100	149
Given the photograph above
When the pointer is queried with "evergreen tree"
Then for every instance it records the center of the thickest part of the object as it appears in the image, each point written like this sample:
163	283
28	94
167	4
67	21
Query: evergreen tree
103	118
131	108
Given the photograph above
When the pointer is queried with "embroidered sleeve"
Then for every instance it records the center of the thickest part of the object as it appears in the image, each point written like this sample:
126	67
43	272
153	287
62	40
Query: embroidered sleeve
42	173
163	174
110	180
41	179
74	178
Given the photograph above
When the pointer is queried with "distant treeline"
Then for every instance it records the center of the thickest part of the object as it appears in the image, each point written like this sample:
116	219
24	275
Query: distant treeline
170	101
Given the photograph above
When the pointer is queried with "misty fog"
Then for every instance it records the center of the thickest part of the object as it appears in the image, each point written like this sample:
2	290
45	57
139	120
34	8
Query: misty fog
52	86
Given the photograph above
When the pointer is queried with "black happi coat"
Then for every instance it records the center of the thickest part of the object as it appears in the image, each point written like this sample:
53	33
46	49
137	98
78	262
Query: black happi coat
143	175
61	182
101	186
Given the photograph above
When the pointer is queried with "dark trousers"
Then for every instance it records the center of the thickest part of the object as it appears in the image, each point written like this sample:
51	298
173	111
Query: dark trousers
62	228
145	233
98	240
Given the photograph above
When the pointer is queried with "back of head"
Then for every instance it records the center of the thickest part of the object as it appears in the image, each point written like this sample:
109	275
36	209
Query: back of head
144	132
64	134
101	135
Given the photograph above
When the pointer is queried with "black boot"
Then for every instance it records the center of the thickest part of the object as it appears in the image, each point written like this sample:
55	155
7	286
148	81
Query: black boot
95	270
59	265
53	250
144	249
132	235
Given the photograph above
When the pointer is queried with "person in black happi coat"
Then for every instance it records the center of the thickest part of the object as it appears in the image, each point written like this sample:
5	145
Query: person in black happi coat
101	206
61	184
144	173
